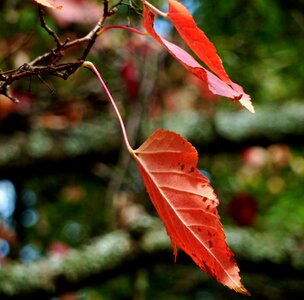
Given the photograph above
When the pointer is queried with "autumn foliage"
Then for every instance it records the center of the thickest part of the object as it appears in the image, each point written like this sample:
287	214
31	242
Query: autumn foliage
218	82
186	203
181	194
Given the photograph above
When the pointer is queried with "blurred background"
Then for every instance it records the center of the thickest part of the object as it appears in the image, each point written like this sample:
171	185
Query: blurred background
75	219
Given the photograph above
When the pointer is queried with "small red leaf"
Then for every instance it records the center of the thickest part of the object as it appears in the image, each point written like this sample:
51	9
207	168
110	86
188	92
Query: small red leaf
186	203
196	39
48	3
216	85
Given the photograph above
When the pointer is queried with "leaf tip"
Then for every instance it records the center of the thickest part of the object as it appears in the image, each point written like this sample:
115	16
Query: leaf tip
246	102
242	290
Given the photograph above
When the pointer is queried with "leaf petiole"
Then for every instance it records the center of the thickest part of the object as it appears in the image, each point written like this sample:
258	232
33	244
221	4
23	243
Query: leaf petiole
101	31
155	10
91	66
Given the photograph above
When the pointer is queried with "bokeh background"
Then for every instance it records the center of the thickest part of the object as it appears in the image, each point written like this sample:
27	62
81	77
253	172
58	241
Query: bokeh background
69	192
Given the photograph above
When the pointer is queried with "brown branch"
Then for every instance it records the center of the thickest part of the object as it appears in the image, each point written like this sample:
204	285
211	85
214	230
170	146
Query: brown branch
92	36
26	70
47	28
39	66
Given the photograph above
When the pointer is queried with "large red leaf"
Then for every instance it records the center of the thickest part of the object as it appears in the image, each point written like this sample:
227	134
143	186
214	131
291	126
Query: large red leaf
186	203
216	85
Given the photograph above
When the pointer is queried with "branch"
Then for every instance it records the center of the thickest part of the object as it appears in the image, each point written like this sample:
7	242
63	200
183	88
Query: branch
120	252
227	131
103	259
46	27
58	274
48	63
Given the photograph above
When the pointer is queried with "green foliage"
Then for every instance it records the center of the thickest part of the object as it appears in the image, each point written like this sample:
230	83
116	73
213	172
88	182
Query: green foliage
260	42
72	170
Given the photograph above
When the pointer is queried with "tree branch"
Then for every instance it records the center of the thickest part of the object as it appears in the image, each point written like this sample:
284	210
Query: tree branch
46	27
148	244
58	274
227	131
53	57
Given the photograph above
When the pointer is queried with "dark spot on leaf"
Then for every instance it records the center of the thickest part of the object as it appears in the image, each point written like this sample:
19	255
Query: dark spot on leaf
205	266
210	244
182	167
191	170
199	229
208	207
238	97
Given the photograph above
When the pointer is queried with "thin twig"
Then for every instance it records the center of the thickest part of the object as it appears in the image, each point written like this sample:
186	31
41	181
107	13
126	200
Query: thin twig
92	36
54	52
5	91
50	31
48	63
105	8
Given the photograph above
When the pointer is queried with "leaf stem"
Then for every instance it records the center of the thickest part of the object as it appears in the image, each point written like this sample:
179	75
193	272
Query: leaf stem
122	27
91	66
155	10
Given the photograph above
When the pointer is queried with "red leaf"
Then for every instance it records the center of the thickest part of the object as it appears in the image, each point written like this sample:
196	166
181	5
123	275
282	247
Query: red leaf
48	3
216	85
186	203
196	39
